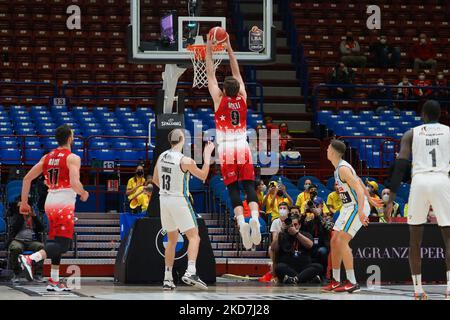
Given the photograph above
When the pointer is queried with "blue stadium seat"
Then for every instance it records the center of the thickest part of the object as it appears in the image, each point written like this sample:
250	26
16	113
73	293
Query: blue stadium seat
330	183
323	115
139	133
25	131
403	190
98	144
345	113
32	144
128	157
23	124
8	143
2	226
6	130
33	155
9	156
92	132
49	143
196	184
102	154
80	115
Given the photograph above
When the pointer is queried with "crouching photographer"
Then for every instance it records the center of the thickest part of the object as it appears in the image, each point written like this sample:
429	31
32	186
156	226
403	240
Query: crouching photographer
292	254
320	225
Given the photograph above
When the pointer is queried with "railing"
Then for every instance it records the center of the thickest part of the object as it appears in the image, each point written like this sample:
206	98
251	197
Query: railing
146	92
391	92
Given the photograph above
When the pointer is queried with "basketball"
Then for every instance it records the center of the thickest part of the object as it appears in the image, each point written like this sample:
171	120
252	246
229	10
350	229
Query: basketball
218	35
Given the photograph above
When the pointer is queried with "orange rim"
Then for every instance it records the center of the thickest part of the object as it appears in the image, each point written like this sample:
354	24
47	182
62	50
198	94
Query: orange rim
199	50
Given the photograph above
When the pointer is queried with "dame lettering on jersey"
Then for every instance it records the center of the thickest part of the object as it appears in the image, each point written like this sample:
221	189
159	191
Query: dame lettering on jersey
53	162
432	142
166	170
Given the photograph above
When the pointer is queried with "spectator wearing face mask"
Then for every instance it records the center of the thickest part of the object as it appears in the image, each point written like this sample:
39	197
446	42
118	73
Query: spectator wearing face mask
381	96
277	225
385	54
441	82
305	195
422	93
274	197
423	54
351	52
307	208
285	138
372	187
135	183
404	92
395	211
341	75
334	201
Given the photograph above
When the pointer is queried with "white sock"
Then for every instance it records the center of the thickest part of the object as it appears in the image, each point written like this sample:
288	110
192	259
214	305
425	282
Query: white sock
54	274
36	257
417	282
255	215
240	219
191	267
168	273
337	275
448	281
351	276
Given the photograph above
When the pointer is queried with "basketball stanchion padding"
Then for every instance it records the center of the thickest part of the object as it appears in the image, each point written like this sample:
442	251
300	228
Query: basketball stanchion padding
140	258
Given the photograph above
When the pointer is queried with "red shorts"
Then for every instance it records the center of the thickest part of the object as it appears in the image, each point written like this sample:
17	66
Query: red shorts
236	164
60	210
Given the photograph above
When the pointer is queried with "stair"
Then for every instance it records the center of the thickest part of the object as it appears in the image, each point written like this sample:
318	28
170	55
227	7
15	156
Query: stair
282	92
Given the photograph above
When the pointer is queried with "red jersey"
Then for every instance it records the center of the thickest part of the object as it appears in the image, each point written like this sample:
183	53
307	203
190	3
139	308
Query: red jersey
55	169
231	119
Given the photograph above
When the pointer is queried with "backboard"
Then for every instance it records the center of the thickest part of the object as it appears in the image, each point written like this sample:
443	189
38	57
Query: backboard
160	30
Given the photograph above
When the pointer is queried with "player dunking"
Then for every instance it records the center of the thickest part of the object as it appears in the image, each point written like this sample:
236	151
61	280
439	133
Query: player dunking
61	169
429	145
171	175
354	214
230	106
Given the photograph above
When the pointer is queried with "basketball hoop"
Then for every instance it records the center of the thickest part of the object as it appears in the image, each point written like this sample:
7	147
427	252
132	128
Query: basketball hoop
198	54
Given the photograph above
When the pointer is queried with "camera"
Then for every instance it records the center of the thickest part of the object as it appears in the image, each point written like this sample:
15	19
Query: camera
288	221
313	195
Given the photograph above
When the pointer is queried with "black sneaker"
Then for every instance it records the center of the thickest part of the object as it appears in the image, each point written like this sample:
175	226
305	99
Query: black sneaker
290	280
169	285
194	280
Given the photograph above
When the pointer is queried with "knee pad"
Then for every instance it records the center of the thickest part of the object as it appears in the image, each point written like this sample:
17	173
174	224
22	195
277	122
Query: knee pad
249	188
233	191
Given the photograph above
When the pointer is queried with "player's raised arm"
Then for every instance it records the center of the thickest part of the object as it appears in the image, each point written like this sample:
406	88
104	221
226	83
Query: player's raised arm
235	69
74	165
188	164
348	177
35	172
213	86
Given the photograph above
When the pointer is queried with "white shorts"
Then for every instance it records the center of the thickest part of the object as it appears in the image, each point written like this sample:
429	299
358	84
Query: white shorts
177	214
427	189
348	220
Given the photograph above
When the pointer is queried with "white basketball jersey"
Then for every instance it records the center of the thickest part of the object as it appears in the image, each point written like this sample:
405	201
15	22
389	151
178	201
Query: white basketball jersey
347	194
431	148
172	180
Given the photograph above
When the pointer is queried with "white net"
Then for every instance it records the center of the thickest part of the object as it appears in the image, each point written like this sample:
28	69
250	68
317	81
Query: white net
198	61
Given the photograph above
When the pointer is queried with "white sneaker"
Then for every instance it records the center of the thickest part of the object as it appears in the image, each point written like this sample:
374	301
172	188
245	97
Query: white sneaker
169	285
244	230
256	232
194	280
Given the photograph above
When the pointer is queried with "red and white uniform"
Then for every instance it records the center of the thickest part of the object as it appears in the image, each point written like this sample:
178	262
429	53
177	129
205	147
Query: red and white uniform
231	135
60	201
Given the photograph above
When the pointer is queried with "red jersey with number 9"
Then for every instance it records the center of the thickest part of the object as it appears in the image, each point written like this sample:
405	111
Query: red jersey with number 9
231	119
55	169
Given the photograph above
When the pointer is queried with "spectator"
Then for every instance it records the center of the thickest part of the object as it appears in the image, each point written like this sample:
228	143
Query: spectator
372	187
305	195
135	182
320	227
277	224
382	97
441	82
405	90
269	123
380	211
24	235
261	189
140	199
285	138
351	52
334	201
341	75
423	54
307	206
385	54
421	93
274	197
292	254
